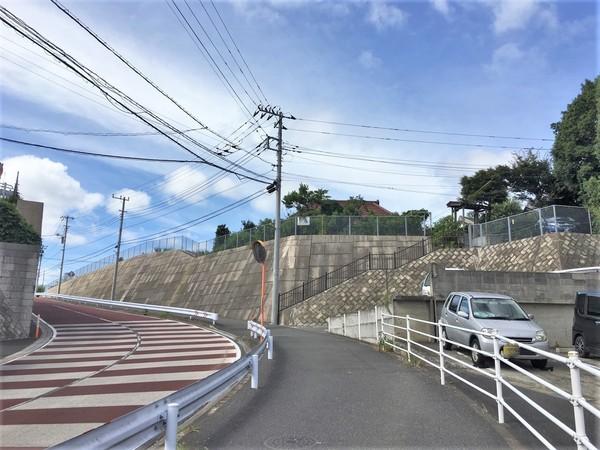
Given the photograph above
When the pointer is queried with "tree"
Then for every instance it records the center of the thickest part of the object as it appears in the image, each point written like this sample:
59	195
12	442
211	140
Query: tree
446	232
14	228
304	199
248	224
591	199
486	186
353	206
222	230
576	151
507	208
530	179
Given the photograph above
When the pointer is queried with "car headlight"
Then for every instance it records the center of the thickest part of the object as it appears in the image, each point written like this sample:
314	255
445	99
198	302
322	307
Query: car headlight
489	330
540	336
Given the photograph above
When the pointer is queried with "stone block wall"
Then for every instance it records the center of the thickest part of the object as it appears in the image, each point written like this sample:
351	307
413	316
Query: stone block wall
18	270
228	282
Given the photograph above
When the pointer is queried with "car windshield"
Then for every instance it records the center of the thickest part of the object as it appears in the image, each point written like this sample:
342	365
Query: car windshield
497	309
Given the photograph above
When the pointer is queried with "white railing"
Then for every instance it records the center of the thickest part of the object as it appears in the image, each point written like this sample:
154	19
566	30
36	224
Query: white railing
145	425
257	330
186	312
409	337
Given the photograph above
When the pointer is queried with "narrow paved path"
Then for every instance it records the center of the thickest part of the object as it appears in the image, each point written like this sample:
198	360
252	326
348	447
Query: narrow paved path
331	392
101	364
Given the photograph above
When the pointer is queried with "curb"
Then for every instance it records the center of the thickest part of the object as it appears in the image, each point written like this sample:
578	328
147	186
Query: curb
48	334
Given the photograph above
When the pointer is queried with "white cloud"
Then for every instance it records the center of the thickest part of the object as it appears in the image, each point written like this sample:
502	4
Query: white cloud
384	15
441	6
185	183
47	181
261	11
512	15
505	56
137	200
368	60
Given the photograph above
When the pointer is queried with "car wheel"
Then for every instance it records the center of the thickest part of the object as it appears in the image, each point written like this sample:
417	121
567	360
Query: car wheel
580	346
539	363
447	345
478	359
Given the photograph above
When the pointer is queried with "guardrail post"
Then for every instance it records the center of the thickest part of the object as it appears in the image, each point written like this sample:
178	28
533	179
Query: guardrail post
498	378
254	372
441	350
580	435
408	336
358	319
270	346
171	433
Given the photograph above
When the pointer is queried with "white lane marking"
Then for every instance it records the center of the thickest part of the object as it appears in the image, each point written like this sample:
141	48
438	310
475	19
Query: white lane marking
100	342
185	362
9	394
81	364
95	381
46	376
93	349
42	435
85	324
87	400
74	356
160	356
176	346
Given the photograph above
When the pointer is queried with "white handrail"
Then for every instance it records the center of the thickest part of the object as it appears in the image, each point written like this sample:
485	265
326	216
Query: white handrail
579	403
191	313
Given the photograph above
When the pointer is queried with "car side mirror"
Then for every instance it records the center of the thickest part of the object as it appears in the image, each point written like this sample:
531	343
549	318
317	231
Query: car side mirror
530	316
463	314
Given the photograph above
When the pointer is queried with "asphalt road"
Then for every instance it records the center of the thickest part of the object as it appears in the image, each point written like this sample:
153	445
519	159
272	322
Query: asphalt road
328	391
101	364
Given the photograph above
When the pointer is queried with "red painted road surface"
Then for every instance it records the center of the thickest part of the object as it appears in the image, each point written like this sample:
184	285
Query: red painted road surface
101	364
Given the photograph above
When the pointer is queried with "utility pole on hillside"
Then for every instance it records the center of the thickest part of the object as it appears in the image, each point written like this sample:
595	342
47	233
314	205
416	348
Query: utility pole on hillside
122	211
39	269
276	112
63	239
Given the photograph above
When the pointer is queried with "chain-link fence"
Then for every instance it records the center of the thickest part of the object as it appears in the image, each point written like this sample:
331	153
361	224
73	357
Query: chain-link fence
310	225
550	219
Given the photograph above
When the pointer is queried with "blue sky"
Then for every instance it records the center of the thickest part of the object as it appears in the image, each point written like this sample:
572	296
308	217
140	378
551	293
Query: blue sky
481	67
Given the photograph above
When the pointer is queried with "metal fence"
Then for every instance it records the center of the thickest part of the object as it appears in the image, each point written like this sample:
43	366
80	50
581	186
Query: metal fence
359	266
310	225
550	219
410	336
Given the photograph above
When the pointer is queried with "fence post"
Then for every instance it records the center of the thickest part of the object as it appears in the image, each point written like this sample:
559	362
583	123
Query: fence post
358	318
377	224
344	324
224	242
295	226
498	378
441	350
171	432
408	336
508	228
580	435
405	226
322	225
349	225
254	372
540	222
329	324
590	220
376	325
237	239
554	214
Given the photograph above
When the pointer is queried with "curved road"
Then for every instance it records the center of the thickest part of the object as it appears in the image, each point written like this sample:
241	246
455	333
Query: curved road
101	364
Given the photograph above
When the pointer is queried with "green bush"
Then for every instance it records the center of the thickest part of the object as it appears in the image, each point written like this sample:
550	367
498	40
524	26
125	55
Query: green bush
13	228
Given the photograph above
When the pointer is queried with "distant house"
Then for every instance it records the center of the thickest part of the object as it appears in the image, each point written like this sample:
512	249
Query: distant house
364	207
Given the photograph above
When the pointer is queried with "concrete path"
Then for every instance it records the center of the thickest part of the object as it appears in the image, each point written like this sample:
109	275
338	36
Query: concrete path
101	364
328	391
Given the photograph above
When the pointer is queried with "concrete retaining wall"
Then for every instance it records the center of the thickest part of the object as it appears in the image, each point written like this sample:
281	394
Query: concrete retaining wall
18	270
228	282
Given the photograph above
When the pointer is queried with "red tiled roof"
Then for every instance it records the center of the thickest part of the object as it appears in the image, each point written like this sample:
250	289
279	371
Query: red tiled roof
369	207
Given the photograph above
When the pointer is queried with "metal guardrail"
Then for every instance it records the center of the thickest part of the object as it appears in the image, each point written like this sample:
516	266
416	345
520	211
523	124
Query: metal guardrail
389	333
357	267
148	423
191	313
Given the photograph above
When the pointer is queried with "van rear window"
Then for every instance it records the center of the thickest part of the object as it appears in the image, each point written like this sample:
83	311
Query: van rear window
593	306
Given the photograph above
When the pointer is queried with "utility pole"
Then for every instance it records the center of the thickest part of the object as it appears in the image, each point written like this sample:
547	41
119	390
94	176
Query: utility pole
63	239
276	112
37	278
122	211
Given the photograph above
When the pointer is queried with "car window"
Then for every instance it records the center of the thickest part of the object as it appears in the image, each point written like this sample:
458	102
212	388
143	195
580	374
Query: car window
497	309
464	305
580	303
454	303
593	306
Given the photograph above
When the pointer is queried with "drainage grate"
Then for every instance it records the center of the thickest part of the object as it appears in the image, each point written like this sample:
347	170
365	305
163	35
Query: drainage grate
290	442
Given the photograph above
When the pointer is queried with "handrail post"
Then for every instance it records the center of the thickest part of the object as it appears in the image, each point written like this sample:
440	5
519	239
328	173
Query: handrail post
580	435
270	346
408	336
441	350
498	378
254	372
171	432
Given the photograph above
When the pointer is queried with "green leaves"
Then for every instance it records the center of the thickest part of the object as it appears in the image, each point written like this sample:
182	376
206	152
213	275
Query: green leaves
13	228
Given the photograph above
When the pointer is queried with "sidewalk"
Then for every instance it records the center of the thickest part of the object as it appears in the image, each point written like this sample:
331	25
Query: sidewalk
327	391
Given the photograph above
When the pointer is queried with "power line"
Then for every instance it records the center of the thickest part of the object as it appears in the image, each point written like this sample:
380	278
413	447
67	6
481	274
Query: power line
409	130
417	141
90	133
104	155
